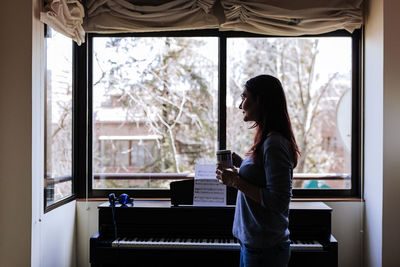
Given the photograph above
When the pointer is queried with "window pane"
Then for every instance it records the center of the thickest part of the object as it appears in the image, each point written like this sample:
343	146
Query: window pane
58	117
316	76
155	108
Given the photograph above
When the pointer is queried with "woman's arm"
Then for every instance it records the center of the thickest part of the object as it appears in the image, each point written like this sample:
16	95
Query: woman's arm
279	171
250	190
230	177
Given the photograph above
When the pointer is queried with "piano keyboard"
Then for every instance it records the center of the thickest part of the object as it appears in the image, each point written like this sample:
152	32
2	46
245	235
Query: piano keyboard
195	243
201	243
306	245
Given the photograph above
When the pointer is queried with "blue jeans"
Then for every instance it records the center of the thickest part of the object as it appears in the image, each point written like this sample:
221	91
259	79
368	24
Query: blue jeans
277	256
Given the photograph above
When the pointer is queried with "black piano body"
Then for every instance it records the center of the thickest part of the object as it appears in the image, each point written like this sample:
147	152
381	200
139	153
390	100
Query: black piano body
308	221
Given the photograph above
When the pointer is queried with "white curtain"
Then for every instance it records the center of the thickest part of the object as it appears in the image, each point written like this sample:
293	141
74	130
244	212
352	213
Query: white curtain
66	17
270	17
113	16
292	17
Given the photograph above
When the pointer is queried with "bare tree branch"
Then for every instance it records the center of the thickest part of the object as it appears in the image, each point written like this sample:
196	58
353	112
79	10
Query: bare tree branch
316	105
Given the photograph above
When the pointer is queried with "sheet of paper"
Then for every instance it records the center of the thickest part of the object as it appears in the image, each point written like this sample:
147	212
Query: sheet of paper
205	171
208	191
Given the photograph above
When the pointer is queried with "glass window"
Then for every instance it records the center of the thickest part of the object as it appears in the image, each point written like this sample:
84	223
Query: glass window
316	75
58	117
155	108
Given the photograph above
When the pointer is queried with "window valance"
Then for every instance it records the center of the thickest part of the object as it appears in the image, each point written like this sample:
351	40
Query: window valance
114	16
270	17
66	17
292	18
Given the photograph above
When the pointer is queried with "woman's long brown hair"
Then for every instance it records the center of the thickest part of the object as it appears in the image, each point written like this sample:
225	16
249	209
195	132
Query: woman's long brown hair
268	92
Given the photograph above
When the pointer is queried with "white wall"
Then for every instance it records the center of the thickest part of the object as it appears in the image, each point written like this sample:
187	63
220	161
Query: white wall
373	171
58	237
37	134
346	227
87	225
53	233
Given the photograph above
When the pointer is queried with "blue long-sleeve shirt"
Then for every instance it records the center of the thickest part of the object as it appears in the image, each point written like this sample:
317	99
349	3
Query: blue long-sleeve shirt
266	225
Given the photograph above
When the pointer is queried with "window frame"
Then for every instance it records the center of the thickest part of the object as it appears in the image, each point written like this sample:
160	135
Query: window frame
73	194
83	121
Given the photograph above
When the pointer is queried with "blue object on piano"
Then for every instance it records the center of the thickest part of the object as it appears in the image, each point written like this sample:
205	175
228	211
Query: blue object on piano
123	200
111	199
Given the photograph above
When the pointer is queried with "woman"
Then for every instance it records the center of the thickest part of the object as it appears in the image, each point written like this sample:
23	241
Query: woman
264	181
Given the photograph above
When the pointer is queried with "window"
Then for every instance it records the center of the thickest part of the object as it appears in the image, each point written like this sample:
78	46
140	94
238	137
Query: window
155	108
316	74
161	102
58	118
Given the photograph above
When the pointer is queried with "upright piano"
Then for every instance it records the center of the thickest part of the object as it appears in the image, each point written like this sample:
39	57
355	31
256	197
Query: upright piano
164	233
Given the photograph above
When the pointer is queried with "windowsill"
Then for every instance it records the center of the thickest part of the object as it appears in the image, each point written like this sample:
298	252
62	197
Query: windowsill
106	199
329	199
333	199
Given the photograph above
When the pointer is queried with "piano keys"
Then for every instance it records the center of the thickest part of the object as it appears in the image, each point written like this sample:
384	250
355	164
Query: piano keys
201	243
154	233
177	242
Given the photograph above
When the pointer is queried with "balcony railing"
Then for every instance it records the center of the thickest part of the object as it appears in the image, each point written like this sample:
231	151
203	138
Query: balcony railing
183	176
300	180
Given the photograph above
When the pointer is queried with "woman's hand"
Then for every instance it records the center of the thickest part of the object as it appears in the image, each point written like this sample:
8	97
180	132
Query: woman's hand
236	160
227	176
